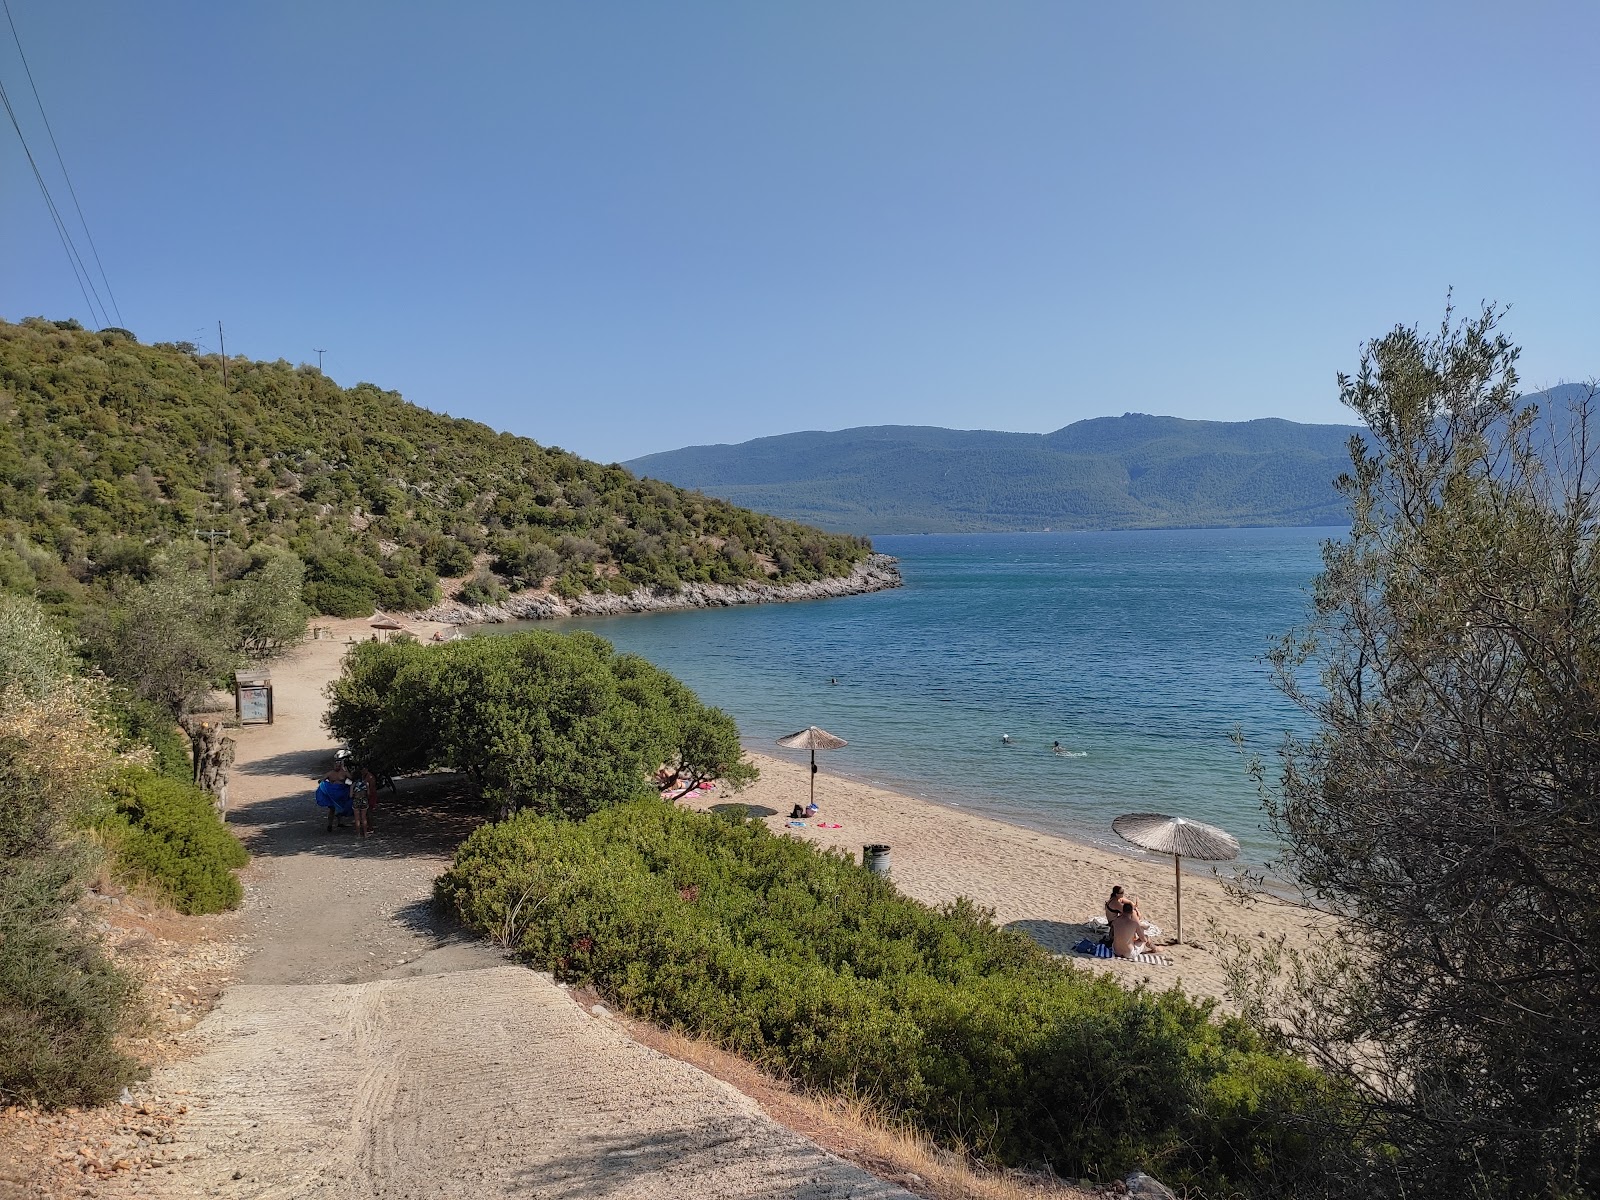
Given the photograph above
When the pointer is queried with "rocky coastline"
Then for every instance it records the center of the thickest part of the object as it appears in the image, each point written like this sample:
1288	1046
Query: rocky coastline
878	573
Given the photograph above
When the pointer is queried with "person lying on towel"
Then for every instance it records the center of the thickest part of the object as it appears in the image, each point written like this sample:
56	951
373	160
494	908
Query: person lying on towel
1128	934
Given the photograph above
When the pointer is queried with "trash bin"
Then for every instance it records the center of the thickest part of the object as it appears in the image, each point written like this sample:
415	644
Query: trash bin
875	858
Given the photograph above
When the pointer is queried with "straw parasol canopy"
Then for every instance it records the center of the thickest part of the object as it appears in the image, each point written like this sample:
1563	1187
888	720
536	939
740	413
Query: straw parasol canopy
1179	837
813	739
384	621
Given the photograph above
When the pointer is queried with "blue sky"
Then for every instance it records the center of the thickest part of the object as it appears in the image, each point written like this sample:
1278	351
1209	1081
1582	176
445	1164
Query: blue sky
627	227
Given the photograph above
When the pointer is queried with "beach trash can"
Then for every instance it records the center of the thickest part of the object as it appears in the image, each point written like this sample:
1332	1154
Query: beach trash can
875	858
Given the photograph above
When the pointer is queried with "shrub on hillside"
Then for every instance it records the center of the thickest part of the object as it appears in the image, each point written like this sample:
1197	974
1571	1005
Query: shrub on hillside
139	722
62	1003
164	832
482	588
809	965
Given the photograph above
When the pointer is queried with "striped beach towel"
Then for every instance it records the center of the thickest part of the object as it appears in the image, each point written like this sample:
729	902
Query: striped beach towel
1152	960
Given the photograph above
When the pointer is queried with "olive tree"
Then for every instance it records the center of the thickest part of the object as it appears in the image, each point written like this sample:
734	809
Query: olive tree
169	638
1447	805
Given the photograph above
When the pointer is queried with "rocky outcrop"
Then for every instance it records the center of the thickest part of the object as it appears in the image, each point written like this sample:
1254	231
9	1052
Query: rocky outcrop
876	574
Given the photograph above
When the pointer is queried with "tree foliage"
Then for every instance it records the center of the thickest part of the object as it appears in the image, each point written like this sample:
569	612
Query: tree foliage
559	723
169	637
1449	804
110	449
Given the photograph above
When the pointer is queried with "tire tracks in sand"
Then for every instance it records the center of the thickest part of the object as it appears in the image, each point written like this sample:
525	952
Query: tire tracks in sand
371	1052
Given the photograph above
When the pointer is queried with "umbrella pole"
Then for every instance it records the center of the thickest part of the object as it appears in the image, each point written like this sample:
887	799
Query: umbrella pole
813	775
1177	878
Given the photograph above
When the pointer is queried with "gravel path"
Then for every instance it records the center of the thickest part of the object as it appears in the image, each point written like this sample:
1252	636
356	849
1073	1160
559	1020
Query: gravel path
370	1050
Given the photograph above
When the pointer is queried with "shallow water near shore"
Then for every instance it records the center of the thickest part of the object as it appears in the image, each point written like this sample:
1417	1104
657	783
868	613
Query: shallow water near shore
1140	652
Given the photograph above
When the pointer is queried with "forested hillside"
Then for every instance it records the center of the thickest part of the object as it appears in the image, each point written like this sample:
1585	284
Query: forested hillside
111	450
1128	472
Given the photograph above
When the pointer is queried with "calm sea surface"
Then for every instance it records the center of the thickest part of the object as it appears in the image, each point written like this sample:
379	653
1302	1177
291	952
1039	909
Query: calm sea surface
1140	652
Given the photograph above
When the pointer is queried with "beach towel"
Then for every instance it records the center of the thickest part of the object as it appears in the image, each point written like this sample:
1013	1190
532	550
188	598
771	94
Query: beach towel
797	824
829	825
1101	950
335	796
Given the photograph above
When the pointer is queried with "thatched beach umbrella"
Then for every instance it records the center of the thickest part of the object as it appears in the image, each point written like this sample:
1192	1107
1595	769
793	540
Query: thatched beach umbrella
813	739
1178	837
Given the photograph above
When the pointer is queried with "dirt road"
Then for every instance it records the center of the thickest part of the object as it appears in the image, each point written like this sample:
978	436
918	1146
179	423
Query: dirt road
370	1050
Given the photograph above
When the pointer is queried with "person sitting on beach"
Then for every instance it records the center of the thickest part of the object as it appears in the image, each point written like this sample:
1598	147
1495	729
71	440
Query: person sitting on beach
1115	903
812	809
1128	934
798	812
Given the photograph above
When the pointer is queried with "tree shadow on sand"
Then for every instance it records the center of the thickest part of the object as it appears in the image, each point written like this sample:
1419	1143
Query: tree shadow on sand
747	810
1058	937
426	815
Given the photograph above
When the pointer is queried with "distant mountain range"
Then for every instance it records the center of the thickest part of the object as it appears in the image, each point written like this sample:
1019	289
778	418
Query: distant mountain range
1128	472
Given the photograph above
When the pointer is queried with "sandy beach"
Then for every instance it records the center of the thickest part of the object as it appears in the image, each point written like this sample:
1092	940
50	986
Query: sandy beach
1044	885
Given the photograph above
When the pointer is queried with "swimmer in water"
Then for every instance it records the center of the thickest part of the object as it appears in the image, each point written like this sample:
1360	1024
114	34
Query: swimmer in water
1056	748
1005	739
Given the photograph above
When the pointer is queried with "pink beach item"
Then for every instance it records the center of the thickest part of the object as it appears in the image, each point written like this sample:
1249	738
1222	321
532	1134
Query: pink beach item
829	825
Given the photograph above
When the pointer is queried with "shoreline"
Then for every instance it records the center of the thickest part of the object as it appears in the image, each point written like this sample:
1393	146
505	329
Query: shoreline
876	573
1046	885
1035	821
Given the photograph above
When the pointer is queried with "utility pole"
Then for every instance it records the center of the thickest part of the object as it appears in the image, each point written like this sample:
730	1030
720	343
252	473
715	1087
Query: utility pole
320	353
211	535
223	348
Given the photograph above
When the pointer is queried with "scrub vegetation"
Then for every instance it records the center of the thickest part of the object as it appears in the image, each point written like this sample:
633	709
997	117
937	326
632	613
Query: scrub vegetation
80	785
111	450
817	969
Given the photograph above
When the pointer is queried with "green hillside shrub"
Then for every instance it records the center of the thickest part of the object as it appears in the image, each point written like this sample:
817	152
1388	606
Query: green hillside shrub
820	970
164	832
109	448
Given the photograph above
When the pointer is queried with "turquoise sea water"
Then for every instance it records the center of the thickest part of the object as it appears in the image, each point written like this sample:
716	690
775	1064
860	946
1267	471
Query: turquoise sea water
1139	651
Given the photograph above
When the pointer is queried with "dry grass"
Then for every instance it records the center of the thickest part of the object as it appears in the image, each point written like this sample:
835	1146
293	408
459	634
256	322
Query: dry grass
850	1128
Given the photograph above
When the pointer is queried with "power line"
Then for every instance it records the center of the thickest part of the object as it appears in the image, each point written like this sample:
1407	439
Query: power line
61	161
73	260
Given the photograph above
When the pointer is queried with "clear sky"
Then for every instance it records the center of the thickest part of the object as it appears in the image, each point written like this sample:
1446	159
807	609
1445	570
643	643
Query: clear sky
627	227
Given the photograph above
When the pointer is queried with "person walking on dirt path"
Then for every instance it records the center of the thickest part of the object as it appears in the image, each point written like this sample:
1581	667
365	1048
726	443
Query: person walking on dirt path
363	794
333	794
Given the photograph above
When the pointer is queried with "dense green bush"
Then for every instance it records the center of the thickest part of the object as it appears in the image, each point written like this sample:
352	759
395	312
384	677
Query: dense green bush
164	832
808	964
553	722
